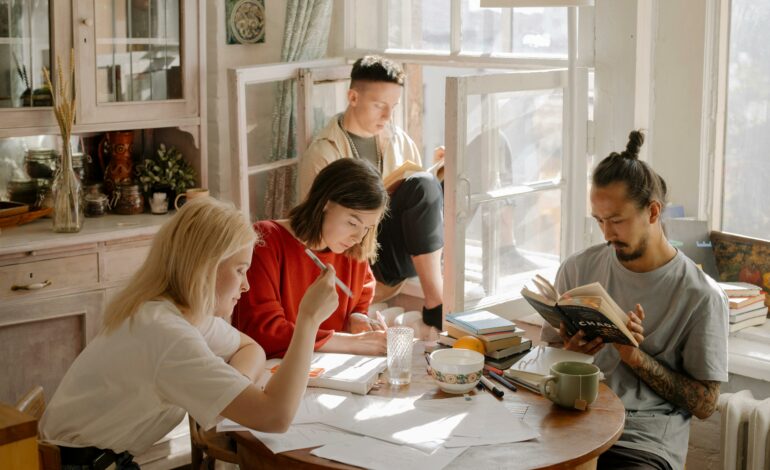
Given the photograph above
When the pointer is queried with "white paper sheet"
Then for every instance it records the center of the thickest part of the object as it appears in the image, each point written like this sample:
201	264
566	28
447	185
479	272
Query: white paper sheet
486	420
397	420
375	454
301	436
316	405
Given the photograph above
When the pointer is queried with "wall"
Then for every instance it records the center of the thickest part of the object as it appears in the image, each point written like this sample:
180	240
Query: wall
220	57
678	96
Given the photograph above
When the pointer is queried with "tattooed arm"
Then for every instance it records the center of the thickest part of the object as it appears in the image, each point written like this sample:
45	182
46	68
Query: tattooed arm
699	397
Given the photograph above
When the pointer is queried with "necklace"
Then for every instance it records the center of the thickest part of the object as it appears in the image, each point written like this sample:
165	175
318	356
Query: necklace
355	150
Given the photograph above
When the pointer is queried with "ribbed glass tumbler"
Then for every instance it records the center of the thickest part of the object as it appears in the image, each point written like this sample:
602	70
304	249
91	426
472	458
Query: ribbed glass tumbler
400	340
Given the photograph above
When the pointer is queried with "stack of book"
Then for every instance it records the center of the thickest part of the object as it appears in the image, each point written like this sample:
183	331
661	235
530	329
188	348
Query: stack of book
747	304
504	342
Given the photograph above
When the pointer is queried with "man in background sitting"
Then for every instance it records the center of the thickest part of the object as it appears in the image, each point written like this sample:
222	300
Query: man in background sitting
676	312
411	235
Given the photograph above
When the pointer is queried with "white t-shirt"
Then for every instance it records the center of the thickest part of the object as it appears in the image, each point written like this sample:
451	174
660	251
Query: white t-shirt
128	389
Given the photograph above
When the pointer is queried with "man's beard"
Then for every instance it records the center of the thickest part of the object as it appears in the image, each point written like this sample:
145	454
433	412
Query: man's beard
634	255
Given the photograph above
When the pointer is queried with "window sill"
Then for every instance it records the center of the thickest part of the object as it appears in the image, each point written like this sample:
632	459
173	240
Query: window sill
749	352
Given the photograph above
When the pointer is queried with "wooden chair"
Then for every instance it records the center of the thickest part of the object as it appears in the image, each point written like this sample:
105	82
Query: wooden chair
33	404
209	446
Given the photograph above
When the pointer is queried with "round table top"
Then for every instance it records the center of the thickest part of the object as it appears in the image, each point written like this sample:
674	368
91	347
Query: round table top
568	438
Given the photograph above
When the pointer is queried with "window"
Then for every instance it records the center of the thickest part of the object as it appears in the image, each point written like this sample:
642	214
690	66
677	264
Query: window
746	169
517	176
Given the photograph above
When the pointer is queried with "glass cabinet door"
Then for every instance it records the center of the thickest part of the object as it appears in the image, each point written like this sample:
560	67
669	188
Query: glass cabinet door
25	48
137	54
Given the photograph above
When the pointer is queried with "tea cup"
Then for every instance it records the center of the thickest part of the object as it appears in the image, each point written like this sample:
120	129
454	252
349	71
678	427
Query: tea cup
191	193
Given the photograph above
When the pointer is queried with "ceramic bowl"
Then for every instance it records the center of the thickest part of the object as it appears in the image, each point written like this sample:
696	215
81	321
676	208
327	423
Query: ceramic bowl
409	319
390	314
456	370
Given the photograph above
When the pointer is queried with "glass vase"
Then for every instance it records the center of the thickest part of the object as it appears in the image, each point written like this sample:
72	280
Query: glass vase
67	196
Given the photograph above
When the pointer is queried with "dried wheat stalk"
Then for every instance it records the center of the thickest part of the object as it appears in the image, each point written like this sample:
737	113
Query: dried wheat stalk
63	97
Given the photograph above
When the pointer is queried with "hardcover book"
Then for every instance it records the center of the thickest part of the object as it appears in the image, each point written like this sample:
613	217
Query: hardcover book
480	322
740	289
589	308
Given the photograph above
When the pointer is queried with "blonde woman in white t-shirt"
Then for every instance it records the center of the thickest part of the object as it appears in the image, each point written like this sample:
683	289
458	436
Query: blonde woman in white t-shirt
167	348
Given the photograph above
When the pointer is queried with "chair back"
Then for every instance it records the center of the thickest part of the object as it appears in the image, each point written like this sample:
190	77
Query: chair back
33	404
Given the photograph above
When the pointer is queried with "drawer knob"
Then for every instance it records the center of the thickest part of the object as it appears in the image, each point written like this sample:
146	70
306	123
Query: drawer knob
33	286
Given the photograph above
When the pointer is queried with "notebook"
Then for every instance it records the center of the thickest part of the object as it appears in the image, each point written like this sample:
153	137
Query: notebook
537	363
345	372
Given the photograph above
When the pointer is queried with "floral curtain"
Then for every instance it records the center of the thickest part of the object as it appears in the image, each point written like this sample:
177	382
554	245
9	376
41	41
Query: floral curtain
305	38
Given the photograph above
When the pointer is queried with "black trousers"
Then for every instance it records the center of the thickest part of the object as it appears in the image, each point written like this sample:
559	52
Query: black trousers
413	226
623	458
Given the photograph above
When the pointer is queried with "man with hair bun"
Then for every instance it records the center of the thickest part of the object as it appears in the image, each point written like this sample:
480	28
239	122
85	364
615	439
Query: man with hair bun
411	235
676	312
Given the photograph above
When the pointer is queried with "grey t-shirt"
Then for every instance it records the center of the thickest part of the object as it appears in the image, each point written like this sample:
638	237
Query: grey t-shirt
366	148
685	329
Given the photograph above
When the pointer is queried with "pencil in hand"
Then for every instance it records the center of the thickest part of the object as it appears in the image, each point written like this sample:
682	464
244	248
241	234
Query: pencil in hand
322	267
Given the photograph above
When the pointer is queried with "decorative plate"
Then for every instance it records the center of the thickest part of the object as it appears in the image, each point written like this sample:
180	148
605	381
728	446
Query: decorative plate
246	23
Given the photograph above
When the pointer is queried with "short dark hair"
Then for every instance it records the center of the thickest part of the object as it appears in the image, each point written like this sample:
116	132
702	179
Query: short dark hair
351	183
643	184
374	68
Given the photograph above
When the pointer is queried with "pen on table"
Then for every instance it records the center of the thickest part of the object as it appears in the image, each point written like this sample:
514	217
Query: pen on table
491	387
503	381
337	281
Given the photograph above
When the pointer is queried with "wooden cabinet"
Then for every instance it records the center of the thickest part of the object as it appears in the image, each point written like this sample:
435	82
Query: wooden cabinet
54	290
138	65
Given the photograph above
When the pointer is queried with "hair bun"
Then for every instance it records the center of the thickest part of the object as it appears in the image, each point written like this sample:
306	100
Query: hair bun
635	141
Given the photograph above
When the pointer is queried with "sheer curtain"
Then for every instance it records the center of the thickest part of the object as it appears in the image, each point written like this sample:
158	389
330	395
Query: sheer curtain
305	38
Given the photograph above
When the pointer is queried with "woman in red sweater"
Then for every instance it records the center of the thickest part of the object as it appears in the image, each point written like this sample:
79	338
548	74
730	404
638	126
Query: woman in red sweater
338	220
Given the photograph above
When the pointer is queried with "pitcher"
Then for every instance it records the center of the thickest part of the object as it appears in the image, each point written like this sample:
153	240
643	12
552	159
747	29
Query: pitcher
117	145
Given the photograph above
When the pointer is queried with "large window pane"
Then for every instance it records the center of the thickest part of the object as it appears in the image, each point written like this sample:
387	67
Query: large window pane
270	190
24	51
418	24
268	110
747	166
521	31
507	242
519	143
329	99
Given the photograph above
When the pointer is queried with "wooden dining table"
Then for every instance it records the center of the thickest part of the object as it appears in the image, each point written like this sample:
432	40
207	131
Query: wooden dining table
568	438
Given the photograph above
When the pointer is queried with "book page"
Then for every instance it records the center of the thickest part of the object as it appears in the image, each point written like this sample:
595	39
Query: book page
612	310
409	167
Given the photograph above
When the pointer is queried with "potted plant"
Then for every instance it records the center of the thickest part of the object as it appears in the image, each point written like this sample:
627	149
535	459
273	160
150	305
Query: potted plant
167	172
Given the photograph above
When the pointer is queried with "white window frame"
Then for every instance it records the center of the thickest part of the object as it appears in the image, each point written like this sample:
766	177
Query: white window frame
580	55
239	78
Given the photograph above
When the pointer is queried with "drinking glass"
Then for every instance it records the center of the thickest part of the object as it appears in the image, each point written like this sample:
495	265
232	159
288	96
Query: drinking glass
400	340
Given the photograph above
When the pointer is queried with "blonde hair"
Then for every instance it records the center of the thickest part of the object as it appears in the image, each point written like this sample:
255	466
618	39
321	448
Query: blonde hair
183	260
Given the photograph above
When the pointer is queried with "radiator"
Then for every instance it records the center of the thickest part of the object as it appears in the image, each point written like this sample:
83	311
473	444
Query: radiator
745	430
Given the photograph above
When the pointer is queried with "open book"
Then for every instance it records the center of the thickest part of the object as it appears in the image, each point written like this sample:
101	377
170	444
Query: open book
589	308
407	169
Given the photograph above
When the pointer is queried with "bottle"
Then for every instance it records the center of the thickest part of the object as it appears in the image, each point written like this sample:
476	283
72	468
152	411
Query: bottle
130	200
67	196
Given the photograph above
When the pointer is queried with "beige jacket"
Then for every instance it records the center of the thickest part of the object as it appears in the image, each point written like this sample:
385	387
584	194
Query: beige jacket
331	144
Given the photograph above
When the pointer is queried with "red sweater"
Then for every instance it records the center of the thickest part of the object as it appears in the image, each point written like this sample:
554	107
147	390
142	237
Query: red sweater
279	275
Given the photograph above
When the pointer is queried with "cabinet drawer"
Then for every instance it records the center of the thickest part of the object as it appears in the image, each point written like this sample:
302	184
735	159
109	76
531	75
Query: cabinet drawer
122	263
61	273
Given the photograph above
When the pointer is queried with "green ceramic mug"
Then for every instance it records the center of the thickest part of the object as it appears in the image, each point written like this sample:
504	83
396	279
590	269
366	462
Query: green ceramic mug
571	384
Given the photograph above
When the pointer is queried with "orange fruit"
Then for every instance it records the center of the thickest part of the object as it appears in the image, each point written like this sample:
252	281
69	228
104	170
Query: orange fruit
470	342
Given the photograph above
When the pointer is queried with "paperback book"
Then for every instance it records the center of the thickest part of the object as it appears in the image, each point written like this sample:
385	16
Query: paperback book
589	308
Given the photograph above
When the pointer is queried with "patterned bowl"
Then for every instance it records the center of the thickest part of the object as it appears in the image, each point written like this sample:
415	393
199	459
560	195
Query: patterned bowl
456	370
